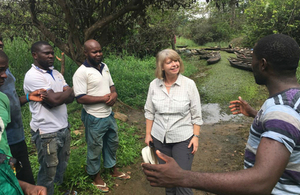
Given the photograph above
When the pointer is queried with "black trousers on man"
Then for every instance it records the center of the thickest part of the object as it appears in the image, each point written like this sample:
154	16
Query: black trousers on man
20	152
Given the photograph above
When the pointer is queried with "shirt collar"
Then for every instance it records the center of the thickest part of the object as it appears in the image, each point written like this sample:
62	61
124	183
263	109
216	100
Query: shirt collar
86	64
42	70
177	82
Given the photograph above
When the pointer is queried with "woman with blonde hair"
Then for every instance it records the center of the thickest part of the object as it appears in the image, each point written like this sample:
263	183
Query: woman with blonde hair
173	113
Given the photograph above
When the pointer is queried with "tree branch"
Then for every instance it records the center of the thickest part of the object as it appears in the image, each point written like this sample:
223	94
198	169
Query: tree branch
108	19
45	31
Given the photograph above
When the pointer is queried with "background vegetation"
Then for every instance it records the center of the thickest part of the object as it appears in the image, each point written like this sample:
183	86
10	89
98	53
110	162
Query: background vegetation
131	33
131	76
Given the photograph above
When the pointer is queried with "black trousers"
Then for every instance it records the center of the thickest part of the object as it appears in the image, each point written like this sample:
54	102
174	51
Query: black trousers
182	155
19	151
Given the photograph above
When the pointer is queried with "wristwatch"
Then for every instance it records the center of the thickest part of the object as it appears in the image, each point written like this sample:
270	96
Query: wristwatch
198	136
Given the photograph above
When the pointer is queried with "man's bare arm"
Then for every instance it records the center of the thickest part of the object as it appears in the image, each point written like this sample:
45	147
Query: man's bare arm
271	160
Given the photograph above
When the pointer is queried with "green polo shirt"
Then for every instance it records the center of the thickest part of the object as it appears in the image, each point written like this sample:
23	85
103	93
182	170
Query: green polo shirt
5	115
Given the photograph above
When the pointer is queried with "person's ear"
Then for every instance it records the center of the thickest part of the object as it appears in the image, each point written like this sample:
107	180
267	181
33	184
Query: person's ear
264	64
34	55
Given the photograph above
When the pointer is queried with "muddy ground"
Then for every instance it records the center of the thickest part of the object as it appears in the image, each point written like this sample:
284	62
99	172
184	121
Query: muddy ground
221	149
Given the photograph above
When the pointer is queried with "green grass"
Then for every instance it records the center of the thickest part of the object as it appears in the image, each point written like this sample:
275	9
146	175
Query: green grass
225	83
132	76
217	44
183	41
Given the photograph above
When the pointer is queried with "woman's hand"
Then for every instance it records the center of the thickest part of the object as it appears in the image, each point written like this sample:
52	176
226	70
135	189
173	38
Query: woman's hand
194	143
148	139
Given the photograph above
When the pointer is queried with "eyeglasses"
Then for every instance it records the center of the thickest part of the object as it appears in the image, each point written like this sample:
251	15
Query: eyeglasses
15	165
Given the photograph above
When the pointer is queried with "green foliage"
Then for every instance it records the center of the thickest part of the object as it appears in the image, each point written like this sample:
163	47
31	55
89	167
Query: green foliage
74	109
68	24
131	77
205	30
129	146
266	17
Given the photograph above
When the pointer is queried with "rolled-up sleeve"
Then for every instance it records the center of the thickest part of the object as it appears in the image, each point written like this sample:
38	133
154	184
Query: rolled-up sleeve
149	108
195	105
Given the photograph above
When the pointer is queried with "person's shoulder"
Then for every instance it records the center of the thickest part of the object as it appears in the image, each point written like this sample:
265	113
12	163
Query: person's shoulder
80	70
3	97
105	66
186	79
156	81
31	70
56	71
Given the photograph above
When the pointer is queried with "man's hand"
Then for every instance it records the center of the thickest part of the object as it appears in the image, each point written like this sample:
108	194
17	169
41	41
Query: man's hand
30	189
241	106
44	95
164	175
112	99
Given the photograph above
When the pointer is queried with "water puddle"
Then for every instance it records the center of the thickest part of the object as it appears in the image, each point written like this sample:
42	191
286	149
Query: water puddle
212	113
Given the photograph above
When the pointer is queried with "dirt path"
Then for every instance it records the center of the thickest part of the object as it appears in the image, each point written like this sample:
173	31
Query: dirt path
221	149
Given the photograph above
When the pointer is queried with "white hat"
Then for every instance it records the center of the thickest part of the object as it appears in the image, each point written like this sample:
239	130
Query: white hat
149	156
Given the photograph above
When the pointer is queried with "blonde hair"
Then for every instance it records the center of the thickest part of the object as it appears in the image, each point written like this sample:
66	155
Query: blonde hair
161	58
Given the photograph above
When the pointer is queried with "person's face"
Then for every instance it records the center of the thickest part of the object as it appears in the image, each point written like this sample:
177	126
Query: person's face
3	67
94	54
171	67
1	44
44	57
259	79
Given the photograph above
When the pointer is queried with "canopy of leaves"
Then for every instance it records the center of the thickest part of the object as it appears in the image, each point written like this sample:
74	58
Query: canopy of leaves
69	23
266	17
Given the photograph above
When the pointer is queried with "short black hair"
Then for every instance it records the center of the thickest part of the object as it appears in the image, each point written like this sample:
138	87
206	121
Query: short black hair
1	39
280	50
3	55
36	46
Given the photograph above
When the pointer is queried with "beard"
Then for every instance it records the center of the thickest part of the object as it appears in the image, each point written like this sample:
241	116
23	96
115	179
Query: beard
94	62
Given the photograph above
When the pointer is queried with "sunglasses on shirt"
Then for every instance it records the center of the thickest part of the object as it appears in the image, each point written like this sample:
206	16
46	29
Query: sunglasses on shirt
14	163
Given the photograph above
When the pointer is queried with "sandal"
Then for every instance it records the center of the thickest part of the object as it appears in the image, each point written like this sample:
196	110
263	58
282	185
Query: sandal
123	176
102	188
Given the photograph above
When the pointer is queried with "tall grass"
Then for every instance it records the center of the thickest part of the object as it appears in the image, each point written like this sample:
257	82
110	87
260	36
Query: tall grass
132	76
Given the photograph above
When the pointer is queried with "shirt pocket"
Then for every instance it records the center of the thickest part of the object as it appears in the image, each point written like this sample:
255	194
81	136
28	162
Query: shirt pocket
180	105
160	104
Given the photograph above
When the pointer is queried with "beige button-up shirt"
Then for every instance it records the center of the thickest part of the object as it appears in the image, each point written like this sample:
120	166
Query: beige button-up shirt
173	113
